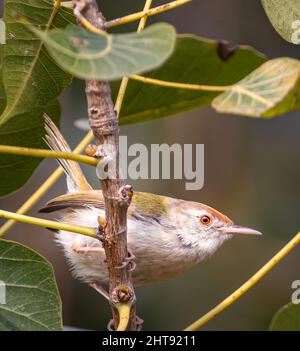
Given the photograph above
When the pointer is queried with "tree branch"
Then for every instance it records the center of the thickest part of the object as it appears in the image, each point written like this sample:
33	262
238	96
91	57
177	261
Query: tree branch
117	196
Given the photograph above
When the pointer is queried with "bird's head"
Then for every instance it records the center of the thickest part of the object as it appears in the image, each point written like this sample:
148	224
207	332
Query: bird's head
204	228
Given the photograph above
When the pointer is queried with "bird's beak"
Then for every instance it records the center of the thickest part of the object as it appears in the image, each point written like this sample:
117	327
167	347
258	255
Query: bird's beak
238	230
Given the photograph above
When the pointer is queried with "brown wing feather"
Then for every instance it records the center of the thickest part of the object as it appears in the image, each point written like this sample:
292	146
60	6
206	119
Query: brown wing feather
145	204
75	200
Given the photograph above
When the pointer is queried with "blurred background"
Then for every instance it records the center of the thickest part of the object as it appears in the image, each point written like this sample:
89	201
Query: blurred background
252	172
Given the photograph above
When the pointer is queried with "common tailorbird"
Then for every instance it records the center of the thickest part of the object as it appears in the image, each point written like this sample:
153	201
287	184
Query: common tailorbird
166	235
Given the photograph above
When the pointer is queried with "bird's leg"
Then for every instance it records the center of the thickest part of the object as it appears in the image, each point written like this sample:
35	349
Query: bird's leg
129	260
100	290
139	323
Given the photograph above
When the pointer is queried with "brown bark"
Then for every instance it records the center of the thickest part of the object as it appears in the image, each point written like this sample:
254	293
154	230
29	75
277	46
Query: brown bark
104	123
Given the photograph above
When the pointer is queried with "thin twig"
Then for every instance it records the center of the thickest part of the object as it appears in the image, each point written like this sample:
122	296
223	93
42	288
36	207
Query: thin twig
125	80
246	286
146	12
31	152
176	85
49	224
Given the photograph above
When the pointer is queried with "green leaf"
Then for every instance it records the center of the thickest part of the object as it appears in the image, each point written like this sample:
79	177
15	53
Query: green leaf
32	83
269	91
287	319
285	18
107	57
31	296
195	60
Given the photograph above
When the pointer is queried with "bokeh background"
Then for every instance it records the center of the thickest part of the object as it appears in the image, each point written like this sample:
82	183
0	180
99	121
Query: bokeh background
252	172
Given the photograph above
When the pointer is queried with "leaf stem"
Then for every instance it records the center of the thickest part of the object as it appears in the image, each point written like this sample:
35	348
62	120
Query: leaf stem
125	80
26	151
47	184
176	85
146	12
49	224
246	286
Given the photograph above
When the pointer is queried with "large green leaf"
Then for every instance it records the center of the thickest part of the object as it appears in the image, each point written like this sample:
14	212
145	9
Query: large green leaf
287	319
32	82
194	60
285	17
107	57
269	91
30	295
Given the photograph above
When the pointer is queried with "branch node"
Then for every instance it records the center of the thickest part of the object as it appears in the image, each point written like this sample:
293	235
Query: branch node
126	194
101	231
100	152
91	150
122	293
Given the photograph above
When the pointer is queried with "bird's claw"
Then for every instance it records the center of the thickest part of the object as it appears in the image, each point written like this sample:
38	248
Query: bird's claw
129	260
110	325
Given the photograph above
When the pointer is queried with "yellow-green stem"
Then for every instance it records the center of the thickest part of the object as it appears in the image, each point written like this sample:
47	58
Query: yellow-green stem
49	224
151	12
26	151
245	287
167	84
125	80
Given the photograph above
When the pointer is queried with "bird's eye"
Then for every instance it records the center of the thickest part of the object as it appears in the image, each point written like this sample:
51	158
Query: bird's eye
205	220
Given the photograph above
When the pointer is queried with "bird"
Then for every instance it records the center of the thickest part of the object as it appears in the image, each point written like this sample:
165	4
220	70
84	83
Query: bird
167	236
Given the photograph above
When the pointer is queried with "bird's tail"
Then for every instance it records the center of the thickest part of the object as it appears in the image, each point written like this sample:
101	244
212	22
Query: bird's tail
76	180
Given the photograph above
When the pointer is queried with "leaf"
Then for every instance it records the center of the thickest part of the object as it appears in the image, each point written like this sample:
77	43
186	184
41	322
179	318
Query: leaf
31	294
285	18
270	90
287	318
195	60
32	83
107	57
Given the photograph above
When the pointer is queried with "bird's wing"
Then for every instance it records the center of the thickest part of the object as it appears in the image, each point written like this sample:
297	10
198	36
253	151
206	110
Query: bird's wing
143	204
83	199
